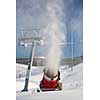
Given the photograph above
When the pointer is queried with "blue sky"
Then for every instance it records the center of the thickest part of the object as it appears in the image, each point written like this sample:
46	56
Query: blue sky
29	14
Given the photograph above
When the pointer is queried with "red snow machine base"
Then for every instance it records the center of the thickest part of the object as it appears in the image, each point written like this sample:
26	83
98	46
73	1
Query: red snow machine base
50	85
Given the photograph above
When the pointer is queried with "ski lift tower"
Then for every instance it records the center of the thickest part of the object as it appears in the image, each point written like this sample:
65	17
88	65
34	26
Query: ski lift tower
34	41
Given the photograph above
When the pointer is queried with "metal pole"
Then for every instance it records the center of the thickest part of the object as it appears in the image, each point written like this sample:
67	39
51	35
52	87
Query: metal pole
29	68
72	54
72	46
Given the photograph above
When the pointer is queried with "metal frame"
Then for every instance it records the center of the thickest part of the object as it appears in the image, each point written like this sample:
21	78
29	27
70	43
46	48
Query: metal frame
33	41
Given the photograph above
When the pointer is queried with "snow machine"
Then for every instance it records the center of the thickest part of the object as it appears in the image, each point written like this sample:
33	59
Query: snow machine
50	81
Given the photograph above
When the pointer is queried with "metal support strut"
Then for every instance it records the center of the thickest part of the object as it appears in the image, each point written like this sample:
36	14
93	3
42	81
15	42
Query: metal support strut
29	68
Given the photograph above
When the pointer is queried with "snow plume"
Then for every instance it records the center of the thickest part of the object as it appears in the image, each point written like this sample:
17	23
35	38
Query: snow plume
55	31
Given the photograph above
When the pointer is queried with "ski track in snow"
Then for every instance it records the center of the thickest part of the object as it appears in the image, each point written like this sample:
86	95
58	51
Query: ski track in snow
72	83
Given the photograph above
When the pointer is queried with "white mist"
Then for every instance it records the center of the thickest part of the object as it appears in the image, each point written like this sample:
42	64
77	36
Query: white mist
56	33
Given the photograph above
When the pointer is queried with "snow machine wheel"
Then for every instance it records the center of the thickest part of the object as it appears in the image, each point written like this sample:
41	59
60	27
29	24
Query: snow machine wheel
59	86
38	90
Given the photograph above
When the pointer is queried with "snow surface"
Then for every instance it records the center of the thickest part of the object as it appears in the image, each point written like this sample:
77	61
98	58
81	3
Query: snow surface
58	95
72	84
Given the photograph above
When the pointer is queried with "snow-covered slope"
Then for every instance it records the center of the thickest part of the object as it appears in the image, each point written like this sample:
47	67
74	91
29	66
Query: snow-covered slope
57	95
71	80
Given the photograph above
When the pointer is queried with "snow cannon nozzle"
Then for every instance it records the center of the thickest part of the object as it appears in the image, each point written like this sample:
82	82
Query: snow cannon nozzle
50	72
